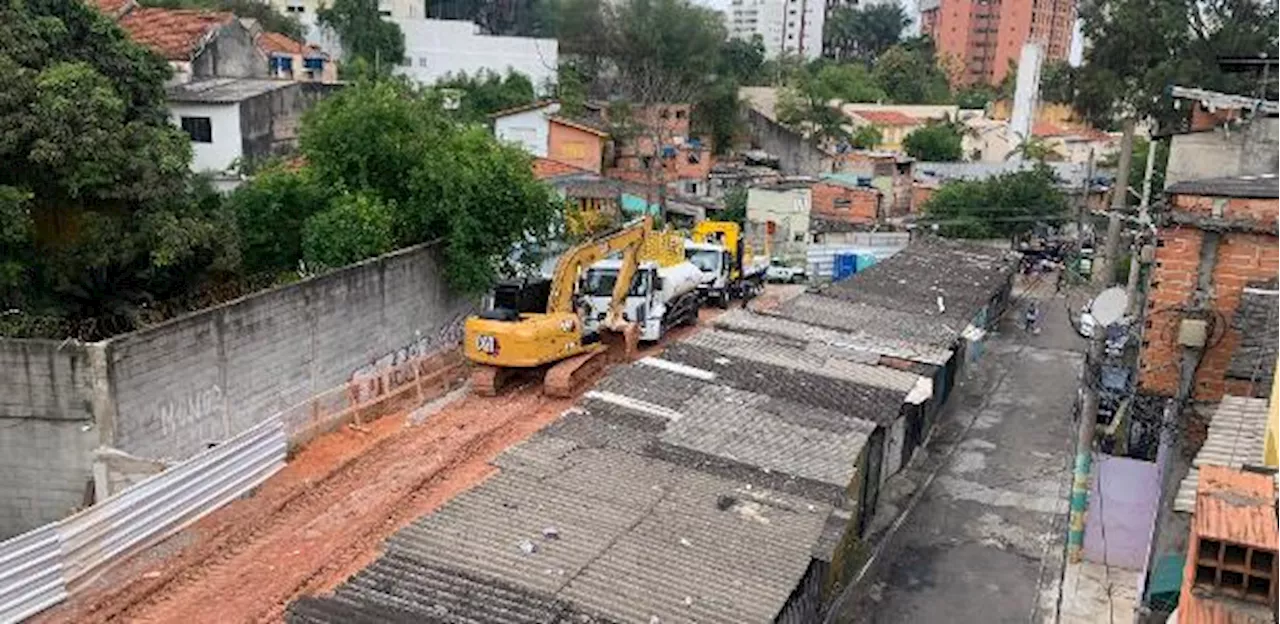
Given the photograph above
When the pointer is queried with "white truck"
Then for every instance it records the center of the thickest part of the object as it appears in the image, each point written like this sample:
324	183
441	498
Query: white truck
722	279
660	297
780	271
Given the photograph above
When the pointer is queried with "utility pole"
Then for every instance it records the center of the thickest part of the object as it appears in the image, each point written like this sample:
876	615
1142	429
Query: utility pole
1136	262
1119	197
1090	377
1082	207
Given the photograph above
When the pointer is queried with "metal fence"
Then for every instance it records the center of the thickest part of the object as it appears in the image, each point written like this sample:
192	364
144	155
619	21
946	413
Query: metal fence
38	568
30	574
821	258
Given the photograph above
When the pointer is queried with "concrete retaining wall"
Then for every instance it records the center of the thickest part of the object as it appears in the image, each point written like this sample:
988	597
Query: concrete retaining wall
46	432
169	391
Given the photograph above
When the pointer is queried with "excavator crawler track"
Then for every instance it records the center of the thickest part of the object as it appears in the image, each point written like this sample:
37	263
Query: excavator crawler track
490	380
565	378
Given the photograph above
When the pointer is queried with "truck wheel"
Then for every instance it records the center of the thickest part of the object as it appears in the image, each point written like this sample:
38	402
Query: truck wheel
722	301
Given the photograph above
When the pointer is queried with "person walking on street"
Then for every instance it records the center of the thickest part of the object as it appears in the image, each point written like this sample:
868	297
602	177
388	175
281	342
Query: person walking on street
1032	317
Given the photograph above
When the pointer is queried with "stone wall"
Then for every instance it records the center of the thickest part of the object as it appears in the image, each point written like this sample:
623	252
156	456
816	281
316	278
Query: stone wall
46	431
796	156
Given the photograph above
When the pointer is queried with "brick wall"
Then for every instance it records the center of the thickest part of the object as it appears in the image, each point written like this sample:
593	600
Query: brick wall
1241	258
46	433
205	377
837	202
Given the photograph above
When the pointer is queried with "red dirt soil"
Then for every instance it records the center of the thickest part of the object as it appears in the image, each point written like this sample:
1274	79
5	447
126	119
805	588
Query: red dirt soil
320	519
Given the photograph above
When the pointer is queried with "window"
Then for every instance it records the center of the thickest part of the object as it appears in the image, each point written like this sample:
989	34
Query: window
664	113
791	36
422	61
406	61
681	114
199	128
293	8
693	158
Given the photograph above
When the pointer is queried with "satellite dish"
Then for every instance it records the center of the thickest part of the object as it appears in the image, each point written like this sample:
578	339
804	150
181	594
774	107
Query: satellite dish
1109	306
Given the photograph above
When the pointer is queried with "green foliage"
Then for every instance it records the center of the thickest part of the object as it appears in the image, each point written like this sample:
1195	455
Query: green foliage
910	75
717	113
440	181
735	206
742	60
1035	148
664	50
936	142
866	137
267	16
1058	82
996	207
486	92
377	44
352	228
812	116
847	83
101	215
1137	48
863	34
270	211
975	96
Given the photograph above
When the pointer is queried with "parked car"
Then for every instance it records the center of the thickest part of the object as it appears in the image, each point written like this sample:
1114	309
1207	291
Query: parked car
780	271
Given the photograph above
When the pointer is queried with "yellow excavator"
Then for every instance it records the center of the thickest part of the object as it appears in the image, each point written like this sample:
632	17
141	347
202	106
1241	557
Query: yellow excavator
504	341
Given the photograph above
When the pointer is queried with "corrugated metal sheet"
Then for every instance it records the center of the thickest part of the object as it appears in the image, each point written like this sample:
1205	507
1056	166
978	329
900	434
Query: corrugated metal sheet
800	356
1237	437
854	346
165	503
1236	506
30	574
820	259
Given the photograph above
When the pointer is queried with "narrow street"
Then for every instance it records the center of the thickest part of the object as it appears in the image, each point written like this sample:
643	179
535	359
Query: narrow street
982	542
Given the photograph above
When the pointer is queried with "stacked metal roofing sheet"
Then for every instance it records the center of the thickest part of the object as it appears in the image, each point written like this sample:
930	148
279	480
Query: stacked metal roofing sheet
1237	434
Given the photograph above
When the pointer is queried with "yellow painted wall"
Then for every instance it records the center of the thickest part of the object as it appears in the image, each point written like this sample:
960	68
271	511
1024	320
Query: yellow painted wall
1271	454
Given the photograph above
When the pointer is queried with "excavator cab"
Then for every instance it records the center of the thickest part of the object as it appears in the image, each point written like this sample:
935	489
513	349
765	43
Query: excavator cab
502	343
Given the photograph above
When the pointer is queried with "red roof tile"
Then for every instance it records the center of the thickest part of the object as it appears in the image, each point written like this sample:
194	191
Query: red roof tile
277	43
1046	129
173	33
887	118
544	168
1236	506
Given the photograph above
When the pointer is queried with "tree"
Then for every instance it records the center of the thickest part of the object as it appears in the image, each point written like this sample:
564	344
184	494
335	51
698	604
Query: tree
847	83
742	60
867	137
909	75
735	206
1138	167
439	180
863	34
1058	83
352	228
1137	48
975	96
812	116
486	92
936	142
996	207
367	39
270	212
102	214
664	50
1034	148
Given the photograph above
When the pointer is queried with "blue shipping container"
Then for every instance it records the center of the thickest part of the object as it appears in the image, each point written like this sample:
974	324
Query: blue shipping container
844	265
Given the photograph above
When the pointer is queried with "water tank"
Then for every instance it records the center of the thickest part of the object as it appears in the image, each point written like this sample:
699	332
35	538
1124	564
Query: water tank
845	264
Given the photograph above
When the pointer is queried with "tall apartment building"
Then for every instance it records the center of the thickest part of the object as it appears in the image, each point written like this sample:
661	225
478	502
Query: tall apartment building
785	26
978	40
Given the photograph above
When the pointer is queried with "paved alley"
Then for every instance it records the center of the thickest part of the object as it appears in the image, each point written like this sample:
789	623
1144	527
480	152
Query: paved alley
982	542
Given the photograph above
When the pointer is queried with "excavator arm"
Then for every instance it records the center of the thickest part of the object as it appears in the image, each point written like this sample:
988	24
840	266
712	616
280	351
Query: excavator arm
628	240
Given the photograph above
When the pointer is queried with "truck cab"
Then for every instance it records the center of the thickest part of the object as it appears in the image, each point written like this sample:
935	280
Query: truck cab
716	265
655	301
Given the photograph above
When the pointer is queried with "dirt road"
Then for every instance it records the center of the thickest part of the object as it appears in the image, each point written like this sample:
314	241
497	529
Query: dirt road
320	519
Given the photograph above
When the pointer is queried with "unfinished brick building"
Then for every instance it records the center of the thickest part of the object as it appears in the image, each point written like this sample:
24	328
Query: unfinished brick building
1218	249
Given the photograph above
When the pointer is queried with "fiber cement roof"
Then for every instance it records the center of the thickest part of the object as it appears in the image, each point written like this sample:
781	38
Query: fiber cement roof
1237	433
858	342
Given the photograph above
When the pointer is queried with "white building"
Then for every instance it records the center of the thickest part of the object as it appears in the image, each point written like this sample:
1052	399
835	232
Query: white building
785	26
527	126
436	48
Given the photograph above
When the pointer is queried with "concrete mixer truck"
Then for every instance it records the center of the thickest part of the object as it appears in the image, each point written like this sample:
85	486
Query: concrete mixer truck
661	297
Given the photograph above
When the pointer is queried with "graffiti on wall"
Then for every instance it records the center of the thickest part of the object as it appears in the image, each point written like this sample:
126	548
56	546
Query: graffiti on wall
365	382
181	413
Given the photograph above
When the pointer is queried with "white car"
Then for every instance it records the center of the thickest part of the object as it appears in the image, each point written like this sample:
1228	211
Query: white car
779	271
